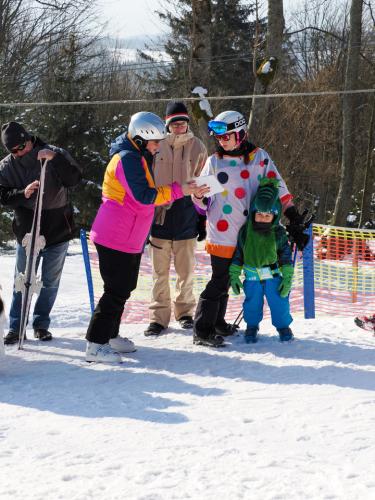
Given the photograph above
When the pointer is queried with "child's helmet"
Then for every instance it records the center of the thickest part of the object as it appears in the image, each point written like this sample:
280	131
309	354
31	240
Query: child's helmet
145	126
227	122
267	195
267	201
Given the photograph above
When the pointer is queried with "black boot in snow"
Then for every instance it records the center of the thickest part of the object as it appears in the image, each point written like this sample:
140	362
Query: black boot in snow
285	334
251	335
226	329
209	341
42	334
153	329
12	338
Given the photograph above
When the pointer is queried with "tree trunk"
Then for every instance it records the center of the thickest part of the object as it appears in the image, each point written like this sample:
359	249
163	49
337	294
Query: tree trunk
348	116
260	107
369	179
200	61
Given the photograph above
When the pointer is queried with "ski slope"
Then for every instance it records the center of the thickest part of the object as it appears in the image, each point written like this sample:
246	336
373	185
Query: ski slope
177	421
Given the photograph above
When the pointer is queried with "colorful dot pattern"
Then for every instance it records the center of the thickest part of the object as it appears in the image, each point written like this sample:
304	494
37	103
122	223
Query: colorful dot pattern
222	177
222	225
228	181
240	193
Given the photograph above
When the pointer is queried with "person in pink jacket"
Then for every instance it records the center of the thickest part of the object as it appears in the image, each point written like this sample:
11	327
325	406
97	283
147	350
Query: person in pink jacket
121	228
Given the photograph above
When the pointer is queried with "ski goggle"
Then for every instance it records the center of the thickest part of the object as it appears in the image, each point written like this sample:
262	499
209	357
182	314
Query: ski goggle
223	137
21	147
220	128
217	128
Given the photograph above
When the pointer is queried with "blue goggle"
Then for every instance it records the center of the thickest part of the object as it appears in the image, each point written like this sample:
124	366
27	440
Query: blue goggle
218	128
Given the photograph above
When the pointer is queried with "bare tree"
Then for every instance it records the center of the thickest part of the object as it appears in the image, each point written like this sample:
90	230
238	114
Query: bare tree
266	71
199	68
348	160
369	177
24	52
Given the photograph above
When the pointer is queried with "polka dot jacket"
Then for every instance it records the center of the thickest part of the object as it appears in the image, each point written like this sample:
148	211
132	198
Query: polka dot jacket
227	211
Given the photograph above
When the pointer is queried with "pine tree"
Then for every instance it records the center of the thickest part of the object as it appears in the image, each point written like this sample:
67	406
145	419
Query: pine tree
233	33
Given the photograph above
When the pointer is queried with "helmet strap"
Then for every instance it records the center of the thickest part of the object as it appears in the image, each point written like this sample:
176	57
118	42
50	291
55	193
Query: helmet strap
140	142
240	137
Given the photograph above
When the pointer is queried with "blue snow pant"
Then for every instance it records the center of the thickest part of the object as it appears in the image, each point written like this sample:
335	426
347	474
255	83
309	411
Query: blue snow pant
253	305
52	266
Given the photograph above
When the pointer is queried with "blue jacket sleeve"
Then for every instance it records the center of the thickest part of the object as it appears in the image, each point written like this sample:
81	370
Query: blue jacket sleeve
135	176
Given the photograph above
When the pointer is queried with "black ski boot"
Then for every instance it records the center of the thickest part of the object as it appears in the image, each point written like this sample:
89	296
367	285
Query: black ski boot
285	334
205	318
226	329
210	341
221	326
251	335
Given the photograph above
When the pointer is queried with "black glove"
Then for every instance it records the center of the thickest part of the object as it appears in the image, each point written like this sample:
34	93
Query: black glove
296	227
201	228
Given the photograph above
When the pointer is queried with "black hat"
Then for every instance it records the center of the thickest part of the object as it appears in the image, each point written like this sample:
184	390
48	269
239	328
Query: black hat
176	111
13	134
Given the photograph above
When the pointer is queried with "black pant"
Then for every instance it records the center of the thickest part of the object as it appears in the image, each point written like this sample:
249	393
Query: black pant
213	300
119	271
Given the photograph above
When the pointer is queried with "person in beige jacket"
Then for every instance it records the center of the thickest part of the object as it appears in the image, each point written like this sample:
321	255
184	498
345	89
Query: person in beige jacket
176	226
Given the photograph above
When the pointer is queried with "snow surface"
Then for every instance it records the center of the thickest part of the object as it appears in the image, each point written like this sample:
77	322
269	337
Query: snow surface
177	421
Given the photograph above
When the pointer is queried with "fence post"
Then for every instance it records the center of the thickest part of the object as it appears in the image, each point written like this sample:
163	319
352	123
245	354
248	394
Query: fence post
86	259
308	277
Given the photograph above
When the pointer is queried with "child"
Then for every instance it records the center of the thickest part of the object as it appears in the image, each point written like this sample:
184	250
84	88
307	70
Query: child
263	253
238	165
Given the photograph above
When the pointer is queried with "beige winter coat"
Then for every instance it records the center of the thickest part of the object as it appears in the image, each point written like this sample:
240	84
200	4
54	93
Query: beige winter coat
180	158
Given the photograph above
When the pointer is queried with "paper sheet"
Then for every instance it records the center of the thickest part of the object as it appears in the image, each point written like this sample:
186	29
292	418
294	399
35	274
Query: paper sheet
211	182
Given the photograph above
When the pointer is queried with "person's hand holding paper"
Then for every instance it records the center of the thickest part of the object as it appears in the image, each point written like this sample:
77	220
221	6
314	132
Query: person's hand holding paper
210	182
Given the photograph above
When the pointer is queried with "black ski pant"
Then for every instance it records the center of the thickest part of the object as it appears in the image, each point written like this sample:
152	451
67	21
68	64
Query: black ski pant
119	271
212	305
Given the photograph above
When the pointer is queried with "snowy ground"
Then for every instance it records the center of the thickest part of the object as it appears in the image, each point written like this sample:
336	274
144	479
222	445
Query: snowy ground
176	421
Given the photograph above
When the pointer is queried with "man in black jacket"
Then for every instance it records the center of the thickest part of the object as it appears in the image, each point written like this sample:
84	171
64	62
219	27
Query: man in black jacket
19	183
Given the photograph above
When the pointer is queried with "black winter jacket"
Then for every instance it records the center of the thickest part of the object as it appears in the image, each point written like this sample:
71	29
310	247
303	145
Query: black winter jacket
180	223
62	172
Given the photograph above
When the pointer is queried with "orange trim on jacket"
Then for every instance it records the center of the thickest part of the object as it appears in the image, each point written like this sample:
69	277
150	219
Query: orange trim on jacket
220	250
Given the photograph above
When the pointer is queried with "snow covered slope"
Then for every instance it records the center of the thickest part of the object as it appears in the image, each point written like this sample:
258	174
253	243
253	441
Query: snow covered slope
177	421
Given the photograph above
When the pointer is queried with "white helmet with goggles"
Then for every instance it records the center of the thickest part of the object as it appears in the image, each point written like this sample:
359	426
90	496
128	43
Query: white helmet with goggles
226	122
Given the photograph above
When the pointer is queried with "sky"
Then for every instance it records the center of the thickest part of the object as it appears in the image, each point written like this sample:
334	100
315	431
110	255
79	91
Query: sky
128	18
131	17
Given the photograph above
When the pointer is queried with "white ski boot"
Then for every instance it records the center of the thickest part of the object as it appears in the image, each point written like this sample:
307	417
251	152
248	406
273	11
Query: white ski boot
122	344
101	353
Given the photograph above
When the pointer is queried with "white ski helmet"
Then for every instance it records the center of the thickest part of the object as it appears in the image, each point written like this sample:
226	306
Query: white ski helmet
227	121
147	127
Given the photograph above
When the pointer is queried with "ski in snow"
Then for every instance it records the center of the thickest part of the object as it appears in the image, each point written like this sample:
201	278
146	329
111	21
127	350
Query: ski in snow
28	283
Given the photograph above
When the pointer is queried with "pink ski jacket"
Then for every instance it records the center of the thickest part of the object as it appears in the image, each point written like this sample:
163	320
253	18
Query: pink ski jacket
129	198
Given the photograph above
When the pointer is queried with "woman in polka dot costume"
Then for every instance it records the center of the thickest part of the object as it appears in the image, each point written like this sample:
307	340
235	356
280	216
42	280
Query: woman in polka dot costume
238	166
